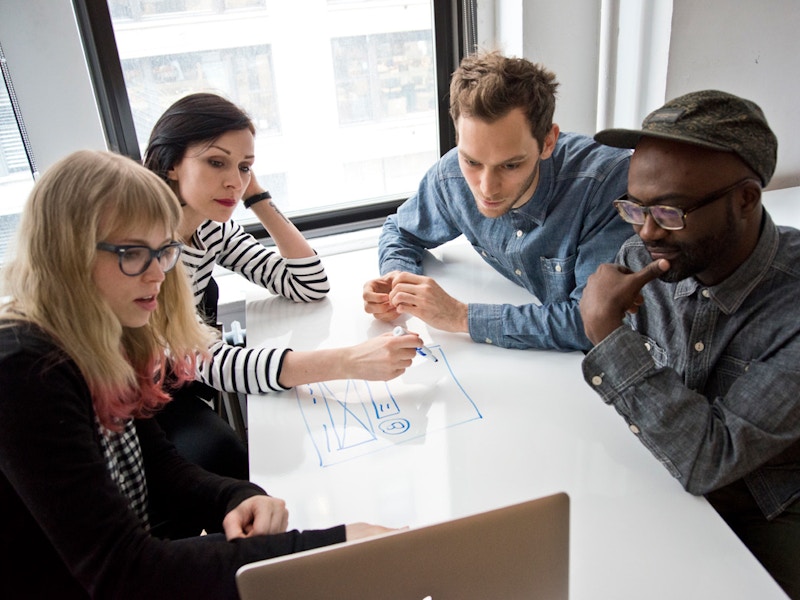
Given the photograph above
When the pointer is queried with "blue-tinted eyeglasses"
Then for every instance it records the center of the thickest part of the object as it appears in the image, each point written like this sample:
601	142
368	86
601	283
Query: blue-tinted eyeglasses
672	218
135	260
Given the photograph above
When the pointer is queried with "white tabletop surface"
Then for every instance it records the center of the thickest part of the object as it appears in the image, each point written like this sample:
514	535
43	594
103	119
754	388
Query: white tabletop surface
483	428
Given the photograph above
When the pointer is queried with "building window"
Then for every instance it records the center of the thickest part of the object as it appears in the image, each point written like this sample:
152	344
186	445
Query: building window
384	76
155	82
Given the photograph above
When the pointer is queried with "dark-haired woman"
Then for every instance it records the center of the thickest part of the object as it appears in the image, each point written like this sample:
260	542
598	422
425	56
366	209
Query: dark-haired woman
203	146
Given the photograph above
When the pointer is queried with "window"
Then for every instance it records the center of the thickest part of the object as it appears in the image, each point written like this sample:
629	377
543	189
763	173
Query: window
155	82
383	76
16	172
343	93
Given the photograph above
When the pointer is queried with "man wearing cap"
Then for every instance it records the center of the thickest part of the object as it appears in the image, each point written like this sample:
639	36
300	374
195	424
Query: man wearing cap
534	202
696	329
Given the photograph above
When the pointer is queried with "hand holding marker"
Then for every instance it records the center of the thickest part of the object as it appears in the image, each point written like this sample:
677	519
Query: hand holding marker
422	350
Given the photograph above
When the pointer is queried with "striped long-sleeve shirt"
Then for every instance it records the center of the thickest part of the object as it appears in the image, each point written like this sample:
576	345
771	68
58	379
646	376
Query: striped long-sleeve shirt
248	370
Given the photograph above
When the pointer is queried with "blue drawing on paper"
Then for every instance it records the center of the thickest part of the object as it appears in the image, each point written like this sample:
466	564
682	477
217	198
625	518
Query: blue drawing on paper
350	418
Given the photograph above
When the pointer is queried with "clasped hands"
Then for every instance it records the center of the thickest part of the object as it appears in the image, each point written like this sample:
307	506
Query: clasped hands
398	292
256	515
265	515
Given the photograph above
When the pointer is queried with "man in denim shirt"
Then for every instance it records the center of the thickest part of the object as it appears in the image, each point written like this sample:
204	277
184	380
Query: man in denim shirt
536	205
697	328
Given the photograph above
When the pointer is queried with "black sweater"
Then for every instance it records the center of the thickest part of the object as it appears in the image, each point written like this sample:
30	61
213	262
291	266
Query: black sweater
69	533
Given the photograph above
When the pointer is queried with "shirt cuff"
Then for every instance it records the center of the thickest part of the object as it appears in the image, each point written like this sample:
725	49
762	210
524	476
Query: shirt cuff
485	323
395	264
616	363
279	370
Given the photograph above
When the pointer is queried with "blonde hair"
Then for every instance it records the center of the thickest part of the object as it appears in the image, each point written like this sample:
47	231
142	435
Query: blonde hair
81	200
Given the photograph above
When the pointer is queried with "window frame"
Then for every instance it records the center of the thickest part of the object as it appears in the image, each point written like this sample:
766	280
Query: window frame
453	33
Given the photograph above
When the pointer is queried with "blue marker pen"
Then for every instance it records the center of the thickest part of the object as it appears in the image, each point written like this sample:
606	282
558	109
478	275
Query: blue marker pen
422	350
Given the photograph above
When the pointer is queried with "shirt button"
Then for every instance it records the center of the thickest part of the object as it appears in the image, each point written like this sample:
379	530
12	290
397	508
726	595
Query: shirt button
699	346
518	272
634	429
558	268
647	346
519	233
706	294
597	380
488	341
483	253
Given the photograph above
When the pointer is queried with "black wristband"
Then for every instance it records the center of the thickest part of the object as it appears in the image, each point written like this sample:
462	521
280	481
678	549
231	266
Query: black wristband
248	202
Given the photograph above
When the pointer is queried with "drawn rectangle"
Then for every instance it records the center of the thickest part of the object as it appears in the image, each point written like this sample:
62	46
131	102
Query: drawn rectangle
350	418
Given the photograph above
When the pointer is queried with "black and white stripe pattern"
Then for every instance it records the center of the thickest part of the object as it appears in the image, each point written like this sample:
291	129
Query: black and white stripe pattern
248	370
124	462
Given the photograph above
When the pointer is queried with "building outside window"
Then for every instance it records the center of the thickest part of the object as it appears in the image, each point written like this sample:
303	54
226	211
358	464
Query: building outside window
342	93
16	176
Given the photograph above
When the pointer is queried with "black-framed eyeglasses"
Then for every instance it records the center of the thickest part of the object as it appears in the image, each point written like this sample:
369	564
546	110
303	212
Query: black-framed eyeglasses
135	260
672	218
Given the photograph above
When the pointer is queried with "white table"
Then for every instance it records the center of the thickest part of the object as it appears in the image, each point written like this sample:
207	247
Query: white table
635	533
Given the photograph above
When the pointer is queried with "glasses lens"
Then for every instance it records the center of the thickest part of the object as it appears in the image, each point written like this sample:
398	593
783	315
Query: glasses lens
169	257
630	212
667	217
134	260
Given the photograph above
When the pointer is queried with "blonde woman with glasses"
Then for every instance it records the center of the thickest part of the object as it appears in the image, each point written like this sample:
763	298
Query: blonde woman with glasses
99	315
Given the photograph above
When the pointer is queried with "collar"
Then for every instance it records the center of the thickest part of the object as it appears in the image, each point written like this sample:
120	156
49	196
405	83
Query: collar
732	292
534	211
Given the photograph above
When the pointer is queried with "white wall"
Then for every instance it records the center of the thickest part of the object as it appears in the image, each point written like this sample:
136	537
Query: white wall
564	36
635	56
744	47
748	48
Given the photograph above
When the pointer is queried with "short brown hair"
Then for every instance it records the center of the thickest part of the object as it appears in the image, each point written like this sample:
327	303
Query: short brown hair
488	85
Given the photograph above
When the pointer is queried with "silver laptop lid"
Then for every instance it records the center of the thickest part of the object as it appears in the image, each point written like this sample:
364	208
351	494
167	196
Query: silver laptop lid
516	552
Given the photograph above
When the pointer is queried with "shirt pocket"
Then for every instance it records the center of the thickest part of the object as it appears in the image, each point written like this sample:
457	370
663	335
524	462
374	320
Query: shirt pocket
559	277
727	370
659	355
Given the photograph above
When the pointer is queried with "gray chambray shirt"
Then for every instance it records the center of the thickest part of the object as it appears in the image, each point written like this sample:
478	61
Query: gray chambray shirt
708	378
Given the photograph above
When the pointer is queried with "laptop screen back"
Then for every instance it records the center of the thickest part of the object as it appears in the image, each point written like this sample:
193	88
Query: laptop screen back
517	552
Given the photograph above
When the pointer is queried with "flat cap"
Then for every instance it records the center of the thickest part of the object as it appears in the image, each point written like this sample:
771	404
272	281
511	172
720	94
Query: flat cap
710	119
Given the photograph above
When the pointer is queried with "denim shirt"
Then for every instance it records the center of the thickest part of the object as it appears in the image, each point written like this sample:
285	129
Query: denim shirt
549	245
708	378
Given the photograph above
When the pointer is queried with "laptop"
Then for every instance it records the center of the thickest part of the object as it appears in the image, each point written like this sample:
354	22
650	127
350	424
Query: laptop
512	553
